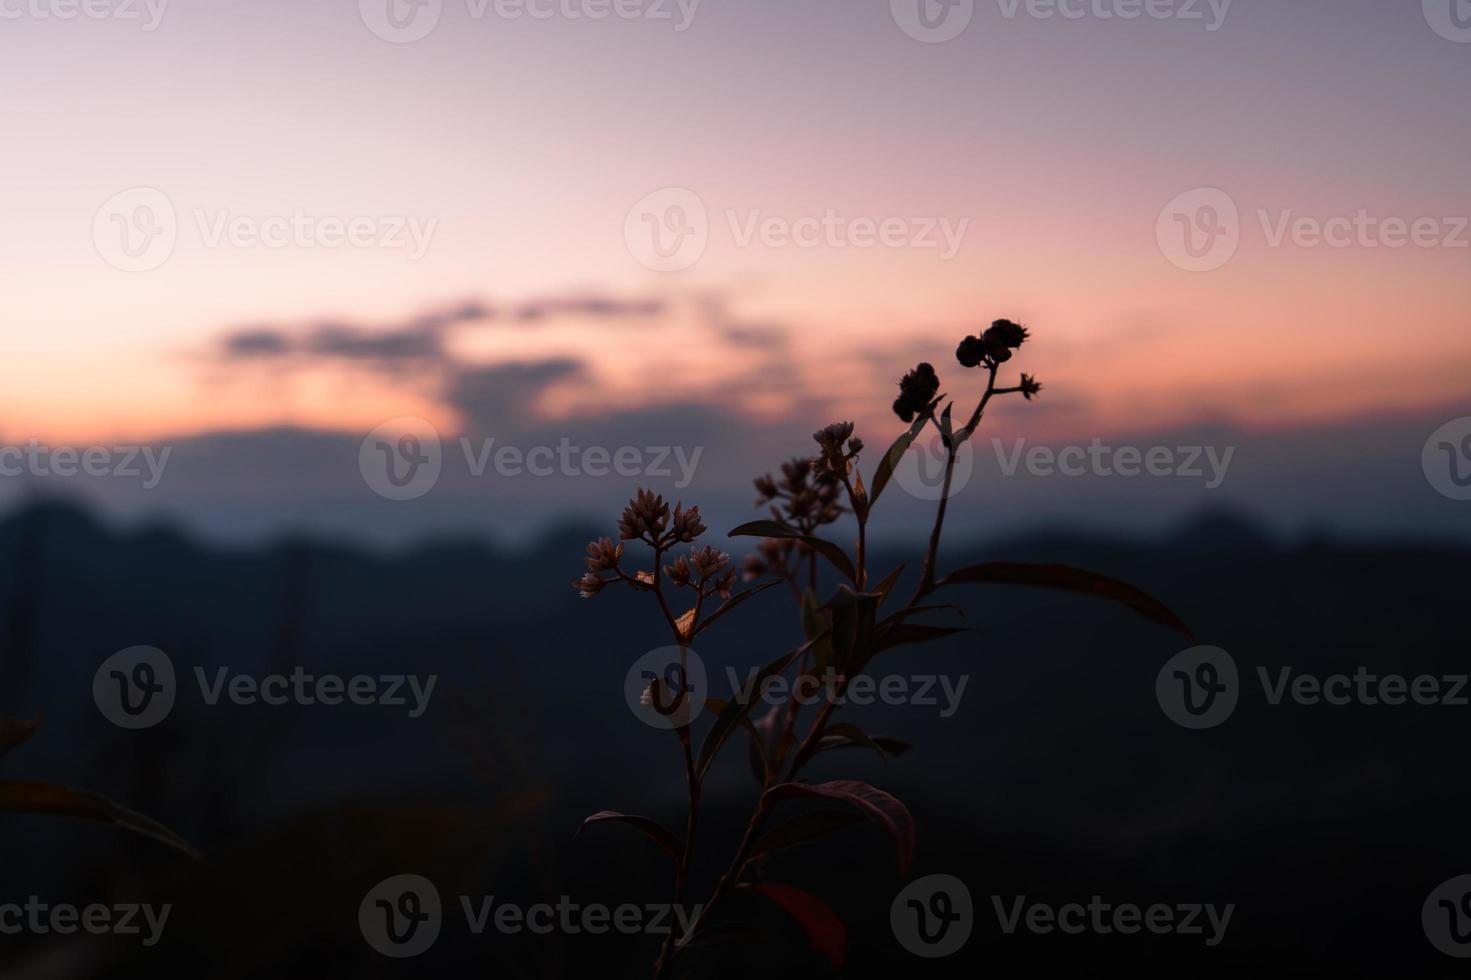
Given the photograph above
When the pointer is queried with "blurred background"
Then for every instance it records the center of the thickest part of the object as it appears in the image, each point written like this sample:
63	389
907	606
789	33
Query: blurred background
337	330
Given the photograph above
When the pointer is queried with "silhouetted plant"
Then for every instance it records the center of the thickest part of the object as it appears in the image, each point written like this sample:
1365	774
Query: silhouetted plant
52	800
843	635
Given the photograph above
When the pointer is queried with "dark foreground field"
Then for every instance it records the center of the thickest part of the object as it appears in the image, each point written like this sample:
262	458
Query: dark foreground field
1057	778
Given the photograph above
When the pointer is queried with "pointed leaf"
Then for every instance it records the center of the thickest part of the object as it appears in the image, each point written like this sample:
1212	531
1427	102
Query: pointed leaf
760	763
661	834
905	634
776	529
853	633
825	931
877	805
44	798
803	828
844	733
885	471
739	706
887	745
1071	580
14	733
887	585
734	601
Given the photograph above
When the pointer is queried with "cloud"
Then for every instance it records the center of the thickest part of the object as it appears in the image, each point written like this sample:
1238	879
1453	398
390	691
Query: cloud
490	396
419	340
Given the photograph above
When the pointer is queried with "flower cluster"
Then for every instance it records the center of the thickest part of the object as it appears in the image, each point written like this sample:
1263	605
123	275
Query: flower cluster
806	496
647	518
918	393
838	446
992	347
701	566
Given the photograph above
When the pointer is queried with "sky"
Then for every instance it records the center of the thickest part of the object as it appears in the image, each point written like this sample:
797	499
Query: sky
245	229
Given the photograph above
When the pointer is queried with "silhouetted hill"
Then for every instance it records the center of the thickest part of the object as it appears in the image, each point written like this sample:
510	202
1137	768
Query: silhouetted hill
1057	775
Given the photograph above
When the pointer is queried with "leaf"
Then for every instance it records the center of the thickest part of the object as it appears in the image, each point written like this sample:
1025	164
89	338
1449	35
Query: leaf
853	627
15	733
905	634
776	529
902	614
734	601
848	734
1070	580
803	828
889	746
661	834
885	470
887	585
877	805
760	764
825	931
44	798
814	624
739	706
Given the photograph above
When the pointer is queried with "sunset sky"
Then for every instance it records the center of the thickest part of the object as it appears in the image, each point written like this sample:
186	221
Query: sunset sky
519	147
